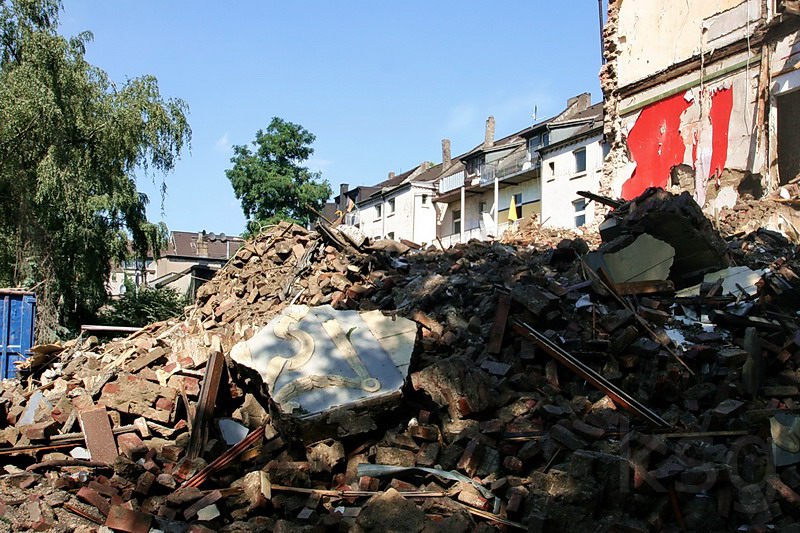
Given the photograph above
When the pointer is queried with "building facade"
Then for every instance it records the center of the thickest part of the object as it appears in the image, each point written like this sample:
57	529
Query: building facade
189	260
702	96
534	172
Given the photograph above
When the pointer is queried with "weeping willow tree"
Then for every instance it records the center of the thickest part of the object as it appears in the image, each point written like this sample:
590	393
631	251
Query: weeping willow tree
72	143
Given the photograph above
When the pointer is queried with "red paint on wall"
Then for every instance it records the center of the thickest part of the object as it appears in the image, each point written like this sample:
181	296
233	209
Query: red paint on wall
721	107
655	145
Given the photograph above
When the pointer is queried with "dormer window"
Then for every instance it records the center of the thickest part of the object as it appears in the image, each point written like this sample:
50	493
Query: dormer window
474	166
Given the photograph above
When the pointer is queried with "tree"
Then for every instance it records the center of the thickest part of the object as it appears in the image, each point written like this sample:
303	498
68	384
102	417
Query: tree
139	306
71	145
271	181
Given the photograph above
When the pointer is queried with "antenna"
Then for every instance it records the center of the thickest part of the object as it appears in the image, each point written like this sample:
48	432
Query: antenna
535	112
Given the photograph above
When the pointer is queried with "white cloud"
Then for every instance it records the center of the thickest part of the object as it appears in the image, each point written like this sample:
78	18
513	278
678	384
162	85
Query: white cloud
223	144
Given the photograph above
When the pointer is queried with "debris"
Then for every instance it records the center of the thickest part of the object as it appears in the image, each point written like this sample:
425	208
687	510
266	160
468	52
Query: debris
620	392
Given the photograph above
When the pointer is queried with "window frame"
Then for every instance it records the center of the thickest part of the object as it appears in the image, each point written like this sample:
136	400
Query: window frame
579	213
391	207
456	221
575	160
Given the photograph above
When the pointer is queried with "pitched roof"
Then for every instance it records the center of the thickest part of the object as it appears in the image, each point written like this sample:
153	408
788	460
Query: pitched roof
185	244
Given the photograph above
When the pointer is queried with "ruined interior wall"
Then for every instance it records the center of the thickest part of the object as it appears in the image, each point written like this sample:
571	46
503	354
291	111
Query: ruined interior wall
708	128
654	35
694	132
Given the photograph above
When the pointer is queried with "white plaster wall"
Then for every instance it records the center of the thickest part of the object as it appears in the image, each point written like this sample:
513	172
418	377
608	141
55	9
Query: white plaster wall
411	219
560	187
655	34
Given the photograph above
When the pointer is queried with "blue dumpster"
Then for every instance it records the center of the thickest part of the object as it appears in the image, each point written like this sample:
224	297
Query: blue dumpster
18	313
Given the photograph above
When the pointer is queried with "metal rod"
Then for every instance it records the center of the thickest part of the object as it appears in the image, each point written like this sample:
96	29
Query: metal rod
570	361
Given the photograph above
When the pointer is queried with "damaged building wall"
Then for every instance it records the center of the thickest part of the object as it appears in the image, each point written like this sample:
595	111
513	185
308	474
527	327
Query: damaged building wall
697	108
654	36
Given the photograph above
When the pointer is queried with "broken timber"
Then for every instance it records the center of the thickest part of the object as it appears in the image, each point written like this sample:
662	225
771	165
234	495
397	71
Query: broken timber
628	402
205	407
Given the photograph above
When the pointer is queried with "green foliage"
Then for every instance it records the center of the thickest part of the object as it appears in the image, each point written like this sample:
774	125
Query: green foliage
143	306
271	181
71	144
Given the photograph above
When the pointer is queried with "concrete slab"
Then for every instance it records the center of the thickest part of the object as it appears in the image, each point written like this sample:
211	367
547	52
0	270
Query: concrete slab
646	259
314	359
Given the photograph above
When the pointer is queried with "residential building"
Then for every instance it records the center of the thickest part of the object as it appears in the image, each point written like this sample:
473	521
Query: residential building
572	161
401	207
189	260
475	200
702	96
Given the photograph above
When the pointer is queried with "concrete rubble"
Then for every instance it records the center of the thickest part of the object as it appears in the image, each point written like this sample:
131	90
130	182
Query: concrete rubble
520	386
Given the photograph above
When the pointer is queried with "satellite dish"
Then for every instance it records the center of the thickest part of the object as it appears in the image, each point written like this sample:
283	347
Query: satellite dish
212	237
222	237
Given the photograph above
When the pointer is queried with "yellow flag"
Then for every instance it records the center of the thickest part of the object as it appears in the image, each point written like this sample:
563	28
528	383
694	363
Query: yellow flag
512	211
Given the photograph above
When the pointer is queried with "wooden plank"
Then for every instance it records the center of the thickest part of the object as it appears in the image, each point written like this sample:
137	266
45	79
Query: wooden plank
205	406
500	321
145	360
97	432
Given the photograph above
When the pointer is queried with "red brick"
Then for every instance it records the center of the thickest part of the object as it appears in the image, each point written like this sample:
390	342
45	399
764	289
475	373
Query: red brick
97	432
131	446
122	519
92	497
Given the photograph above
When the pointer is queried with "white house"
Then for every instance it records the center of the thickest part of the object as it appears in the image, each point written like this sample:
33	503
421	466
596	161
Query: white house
572	164
401	207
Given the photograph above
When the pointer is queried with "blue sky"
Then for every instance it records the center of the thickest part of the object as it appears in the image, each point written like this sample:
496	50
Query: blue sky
379	83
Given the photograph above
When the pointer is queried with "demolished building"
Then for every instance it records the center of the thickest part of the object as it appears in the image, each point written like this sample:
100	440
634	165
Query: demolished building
702	97
319	384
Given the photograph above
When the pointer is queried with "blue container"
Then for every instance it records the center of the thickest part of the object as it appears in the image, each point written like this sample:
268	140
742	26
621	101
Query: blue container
18	313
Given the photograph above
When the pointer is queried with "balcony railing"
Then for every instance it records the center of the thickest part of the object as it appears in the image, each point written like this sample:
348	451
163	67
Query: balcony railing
353	218
451	183
487	174
511	166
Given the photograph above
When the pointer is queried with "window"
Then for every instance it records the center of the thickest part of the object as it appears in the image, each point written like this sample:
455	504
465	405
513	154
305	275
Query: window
552	166
518	205
579	207
424	199
378	211
545	139
390	235
390	209
474	166
457	221
481	208
580	160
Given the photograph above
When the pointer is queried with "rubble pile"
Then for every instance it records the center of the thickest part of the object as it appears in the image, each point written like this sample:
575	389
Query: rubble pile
530	232
544	392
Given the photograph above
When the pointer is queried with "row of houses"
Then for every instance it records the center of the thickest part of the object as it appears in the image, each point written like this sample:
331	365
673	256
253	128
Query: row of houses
699	96
476	195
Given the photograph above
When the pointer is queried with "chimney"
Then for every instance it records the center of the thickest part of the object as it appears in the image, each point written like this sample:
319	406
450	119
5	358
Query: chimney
489	142
343	188
581	102
202	244
391	175
445	153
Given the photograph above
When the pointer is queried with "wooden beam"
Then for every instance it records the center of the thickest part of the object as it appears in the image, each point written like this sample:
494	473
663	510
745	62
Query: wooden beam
205	406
